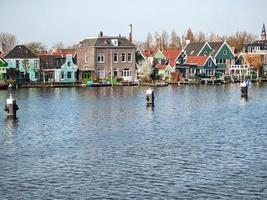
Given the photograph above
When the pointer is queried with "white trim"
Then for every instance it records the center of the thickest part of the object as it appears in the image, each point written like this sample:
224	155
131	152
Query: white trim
221	48
203	48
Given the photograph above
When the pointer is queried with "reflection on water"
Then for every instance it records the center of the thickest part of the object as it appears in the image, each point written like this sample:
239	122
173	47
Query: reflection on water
199	142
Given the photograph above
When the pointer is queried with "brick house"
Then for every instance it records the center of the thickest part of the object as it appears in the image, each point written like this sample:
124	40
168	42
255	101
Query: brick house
103	57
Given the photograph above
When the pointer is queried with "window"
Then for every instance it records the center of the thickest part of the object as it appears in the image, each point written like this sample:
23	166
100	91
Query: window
129	57
115	57
62	75
69	75
116	73
224	52
205	53
210	63
17	63
85	58
123	57
68	64
126	72
36	64
101	73
100	57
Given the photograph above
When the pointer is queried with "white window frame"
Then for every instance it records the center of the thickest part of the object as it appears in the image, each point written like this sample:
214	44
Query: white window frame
209	63
101	73
224	52
124	57
117	57
100	58
129	54
126	72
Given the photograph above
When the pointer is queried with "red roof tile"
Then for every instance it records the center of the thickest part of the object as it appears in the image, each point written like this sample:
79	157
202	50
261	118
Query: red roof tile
149	53
171	55
197	60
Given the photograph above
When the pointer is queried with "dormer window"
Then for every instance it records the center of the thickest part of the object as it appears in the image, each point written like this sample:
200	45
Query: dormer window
115	42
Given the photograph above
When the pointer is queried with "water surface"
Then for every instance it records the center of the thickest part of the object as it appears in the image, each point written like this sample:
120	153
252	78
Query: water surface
200	142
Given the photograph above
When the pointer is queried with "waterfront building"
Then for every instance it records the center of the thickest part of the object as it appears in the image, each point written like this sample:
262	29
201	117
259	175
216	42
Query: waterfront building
241	69
59	66
26	62
259	46
197	65
220	51
102	57
3	72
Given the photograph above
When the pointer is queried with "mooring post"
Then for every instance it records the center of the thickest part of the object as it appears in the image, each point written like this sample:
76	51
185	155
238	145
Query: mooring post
244	89
150	97
11	108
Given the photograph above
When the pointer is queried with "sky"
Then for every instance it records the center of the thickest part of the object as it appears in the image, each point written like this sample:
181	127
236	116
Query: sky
70	21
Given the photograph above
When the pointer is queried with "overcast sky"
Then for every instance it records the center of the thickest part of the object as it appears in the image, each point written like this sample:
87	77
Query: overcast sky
70	21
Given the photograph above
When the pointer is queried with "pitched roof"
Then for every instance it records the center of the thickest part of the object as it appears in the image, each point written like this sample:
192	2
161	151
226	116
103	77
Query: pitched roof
215	47
105	41
20	51
192	49
196	60
171	56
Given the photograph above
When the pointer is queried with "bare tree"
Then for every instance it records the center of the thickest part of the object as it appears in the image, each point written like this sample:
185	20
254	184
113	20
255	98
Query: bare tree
200	37
36	47
164	40
7	41
256	61
145	69
148	42
59	45
26	66
175	41
240	39
190	35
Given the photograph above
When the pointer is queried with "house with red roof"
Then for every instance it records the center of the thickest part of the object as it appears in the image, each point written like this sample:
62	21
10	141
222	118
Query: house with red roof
59	65
197	65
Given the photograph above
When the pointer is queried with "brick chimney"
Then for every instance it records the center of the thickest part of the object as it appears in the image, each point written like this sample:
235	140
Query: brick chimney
130	32
100	34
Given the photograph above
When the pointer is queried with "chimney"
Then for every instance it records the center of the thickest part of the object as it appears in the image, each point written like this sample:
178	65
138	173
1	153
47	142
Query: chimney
100	34
130	32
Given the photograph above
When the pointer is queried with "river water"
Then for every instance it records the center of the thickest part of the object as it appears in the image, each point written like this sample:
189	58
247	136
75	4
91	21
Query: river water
199	142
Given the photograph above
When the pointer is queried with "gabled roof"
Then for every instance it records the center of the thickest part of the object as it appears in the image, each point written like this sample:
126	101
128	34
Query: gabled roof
215	47
105	41
171	56
20	51
193	49
196	60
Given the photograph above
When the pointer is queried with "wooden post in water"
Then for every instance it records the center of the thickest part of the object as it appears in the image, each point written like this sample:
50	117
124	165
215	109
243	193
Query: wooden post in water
244	89
11	108
150	98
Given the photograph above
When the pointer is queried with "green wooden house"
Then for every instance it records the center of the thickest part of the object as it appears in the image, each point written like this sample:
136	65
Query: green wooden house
203	66
3	72
25	61
68	71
